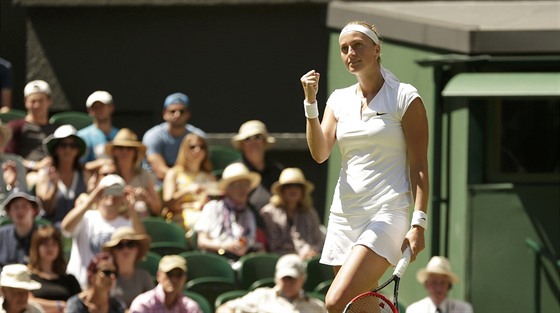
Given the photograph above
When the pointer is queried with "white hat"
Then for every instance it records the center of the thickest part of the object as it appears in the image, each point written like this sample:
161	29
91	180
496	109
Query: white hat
290	265
292	175
114	185
17	276
437	265
101	96
6	133
37	86
60	133
171	262
238	171
249	129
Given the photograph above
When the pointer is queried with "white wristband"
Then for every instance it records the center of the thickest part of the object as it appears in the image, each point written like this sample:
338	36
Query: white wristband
311	110
419	218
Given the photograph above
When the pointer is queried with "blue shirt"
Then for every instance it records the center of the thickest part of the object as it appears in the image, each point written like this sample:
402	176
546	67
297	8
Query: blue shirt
95	140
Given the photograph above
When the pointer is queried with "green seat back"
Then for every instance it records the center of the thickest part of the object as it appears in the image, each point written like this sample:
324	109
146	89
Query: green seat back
75	118
256	266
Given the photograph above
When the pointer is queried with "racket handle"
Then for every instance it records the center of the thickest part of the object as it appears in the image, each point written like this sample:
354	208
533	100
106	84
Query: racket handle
403	263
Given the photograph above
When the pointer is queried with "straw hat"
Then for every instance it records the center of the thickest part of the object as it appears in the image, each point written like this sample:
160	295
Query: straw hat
17	276
6	133
127	138
127	233
437	265
251	128
292	175
238	171
63	132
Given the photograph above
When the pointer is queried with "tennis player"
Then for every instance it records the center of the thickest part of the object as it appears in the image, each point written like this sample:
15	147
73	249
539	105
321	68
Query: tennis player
382	131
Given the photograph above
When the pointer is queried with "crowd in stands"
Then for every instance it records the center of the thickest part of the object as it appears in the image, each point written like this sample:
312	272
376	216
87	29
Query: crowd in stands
74	202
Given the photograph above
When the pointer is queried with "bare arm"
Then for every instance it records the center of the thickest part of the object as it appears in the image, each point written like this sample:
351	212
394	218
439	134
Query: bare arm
415	128
320	136
73	218
158	165
47	188
129	200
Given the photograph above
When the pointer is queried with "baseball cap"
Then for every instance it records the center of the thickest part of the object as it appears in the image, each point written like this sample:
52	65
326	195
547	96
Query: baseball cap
114	185
171	262
37	86
99	95
290	265
177	98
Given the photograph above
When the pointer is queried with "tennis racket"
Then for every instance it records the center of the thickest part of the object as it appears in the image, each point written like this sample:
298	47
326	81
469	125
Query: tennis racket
373	301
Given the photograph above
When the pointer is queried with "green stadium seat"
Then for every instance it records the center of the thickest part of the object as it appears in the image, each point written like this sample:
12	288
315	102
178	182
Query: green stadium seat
75	118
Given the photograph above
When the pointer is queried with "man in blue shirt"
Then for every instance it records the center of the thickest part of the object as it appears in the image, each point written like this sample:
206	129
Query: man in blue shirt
100	107
163	140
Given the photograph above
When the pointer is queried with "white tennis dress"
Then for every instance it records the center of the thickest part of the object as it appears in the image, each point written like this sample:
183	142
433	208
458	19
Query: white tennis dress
373	194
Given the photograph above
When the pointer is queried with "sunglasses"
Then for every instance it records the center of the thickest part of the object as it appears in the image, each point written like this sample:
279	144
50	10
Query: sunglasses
125	244
181	111
123	147
256	137
201	147
108	273
68	145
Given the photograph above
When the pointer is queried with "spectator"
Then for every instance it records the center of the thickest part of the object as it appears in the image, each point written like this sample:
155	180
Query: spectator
29	132
100	107
102	272
253	141
127	153
438	278
163	140
227	226
127	248
6	85
92	221
292	224
13	171
15	238
286	296
48	266
15	284
167	296
59	185
106	167
185	188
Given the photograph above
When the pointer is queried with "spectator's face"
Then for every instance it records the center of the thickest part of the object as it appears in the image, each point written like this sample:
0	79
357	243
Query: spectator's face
176	114
437	285
289	286
101	111
106	275
38	103
255	144
21	211
238	191
16	298
67	150
172	282
48	250
292	193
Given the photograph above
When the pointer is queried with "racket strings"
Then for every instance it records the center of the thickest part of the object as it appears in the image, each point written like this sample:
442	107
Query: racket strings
371	303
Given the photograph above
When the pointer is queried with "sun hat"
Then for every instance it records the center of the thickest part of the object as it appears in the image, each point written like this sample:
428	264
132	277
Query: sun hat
290	265
6	133
171	262
127	138
37	86
127	233
437	265
63	132
20	194
99	96
18	276
292	175
251	128
238	171
114	185
177	98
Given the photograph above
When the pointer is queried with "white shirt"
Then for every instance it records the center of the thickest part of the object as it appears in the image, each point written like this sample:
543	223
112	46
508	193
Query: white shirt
448	305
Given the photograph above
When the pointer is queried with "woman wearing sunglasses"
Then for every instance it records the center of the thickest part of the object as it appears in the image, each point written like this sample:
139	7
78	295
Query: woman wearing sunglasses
185	187
128	247
102	274
59	185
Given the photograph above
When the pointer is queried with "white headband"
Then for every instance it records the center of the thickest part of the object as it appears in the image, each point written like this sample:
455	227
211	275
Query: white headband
359	28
